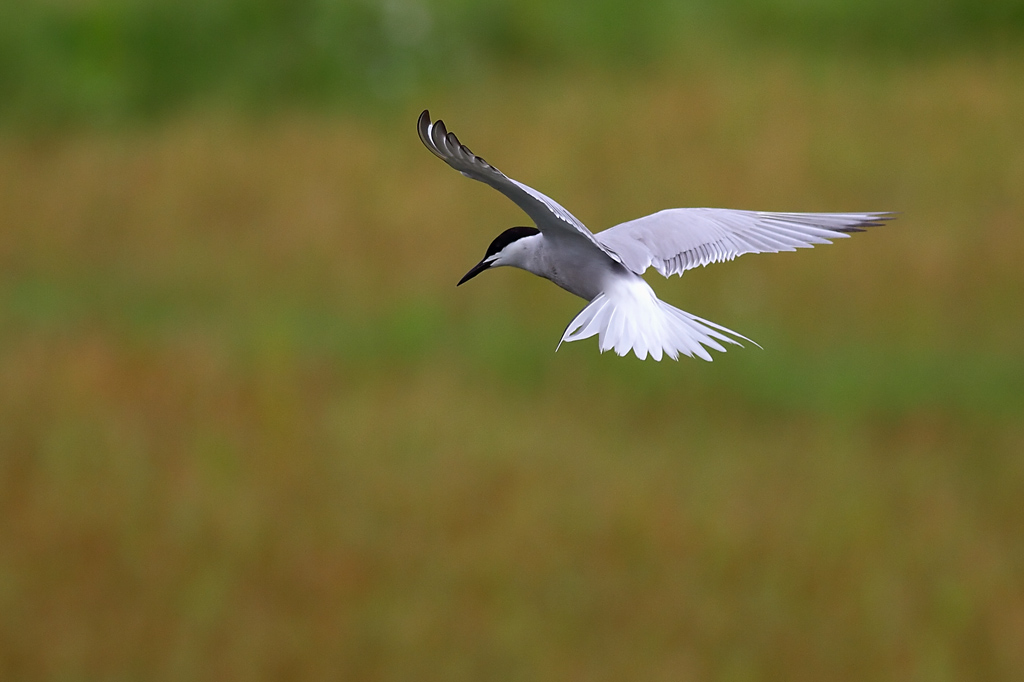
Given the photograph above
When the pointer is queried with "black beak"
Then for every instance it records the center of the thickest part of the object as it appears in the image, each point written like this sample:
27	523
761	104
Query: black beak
477	269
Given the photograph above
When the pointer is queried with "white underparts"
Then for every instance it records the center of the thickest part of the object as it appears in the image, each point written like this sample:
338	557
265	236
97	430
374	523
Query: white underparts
629	316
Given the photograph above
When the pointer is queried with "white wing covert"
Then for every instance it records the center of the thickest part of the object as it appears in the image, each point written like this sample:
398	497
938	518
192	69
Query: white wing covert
549	216
678	239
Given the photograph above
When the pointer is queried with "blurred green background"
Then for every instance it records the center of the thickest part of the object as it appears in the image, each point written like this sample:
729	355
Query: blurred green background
249	429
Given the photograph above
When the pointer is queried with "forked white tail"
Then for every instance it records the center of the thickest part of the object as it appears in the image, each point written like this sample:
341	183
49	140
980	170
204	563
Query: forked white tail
629	316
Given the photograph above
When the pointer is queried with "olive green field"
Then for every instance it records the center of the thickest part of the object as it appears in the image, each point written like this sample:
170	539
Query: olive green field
251	430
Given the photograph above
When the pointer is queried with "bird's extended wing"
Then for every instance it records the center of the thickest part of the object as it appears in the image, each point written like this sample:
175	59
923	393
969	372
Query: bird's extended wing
549	216
678	239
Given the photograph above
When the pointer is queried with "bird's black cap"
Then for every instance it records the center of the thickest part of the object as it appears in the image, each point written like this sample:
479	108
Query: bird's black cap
510	235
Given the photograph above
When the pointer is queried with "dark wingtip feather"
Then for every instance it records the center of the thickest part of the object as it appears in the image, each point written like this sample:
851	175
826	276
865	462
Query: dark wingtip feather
444	144
423	128
423	125
873	220
453	141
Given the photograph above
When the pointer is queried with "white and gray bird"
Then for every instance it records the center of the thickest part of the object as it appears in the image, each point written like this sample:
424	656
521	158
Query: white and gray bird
605	268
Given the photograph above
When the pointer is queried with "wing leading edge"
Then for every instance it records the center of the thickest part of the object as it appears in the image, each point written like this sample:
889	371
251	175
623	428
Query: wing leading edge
548	214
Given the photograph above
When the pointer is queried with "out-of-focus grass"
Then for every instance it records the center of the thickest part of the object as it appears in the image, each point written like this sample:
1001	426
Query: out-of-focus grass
249	428
109	61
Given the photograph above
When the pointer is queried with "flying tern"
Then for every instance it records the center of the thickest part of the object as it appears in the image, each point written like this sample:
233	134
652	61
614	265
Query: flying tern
605	268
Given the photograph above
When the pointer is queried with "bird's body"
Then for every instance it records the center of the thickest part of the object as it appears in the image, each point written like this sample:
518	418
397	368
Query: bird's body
605	268
572	263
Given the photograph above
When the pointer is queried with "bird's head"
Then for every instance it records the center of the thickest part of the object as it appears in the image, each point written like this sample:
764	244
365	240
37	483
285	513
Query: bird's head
506	249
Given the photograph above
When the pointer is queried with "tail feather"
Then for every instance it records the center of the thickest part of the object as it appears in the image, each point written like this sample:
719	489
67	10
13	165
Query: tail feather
631	317
592	320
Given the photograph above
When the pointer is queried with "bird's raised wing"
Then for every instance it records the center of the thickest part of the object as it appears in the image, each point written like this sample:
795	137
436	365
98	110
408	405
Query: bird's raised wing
550	217
678	239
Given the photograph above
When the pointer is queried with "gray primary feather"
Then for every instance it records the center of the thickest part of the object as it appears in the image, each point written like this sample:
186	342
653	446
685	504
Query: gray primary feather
678	239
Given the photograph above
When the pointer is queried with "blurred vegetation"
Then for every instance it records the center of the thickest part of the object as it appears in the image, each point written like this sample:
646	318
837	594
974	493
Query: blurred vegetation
103	60
249	429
